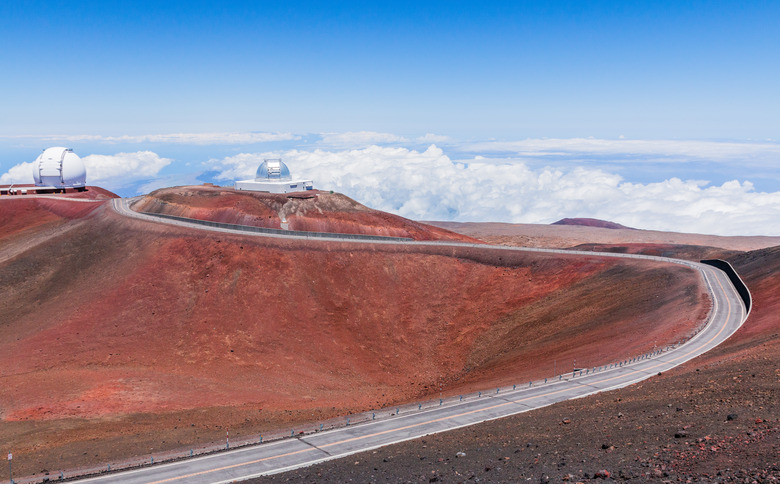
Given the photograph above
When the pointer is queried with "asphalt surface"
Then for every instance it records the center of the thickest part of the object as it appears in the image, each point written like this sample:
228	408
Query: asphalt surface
727	315
52	197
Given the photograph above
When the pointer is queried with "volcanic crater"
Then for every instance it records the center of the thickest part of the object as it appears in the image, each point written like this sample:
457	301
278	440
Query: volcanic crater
121	337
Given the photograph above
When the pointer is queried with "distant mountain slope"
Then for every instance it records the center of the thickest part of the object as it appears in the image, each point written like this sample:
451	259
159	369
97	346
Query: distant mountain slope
568	236
590	222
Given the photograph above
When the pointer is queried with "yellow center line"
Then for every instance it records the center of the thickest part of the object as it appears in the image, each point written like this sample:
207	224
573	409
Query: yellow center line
441	419
233	466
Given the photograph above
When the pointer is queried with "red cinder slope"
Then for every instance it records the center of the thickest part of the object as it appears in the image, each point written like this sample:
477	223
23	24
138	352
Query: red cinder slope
311	211
120	336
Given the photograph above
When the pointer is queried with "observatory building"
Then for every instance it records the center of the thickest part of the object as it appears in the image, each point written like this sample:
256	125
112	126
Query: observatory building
273	176
59	168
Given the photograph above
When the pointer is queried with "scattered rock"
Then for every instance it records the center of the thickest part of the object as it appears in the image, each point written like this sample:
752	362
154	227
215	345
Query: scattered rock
731	416
602	474
680	435
460	454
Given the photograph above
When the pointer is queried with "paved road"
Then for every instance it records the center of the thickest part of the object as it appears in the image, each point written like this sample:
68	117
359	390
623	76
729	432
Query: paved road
52	197
727	316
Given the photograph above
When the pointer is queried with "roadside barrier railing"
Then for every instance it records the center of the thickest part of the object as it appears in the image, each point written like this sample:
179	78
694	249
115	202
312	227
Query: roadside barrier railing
263	230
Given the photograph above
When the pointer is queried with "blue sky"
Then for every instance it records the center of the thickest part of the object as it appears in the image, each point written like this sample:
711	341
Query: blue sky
671	85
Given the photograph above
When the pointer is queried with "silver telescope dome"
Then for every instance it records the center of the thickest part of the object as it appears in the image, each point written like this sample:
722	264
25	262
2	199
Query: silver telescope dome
273	169
59	167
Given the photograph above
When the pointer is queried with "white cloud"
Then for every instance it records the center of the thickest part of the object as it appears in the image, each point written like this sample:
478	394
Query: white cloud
428	185
434	138
658	150
178	138
364	139
112	172
21	173
359	139
122	169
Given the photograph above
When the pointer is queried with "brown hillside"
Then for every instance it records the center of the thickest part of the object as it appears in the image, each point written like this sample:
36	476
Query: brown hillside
121	337
311	211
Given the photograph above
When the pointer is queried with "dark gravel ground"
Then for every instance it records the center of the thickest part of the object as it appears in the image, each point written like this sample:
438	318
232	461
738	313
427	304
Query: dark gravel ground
718	423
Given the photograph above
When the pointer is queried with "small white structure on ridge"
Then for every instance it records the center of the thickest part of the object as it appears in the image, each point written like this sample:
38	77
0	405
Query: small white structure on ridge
59	167
273	176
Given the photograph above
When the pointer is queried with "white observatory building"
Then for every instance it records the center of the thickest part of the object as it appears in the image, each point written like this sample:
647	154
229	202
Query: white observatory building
273	176
59	168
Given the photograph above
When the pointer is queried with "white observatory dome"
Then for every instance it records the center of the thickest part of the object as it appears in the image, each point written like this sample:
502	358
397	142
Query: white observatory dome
273	169
60	168
273	176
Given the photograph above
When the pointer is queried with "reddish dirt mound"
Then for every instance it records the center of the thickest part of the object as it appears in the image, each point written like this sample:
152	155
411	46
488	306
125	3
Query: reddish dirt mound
590	222
120	336
311	211
29	220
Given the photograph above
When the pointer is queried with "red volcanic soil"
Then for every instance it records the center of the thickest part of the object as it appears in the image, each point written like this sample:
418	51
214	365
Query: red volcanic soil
590	222
27	220
121	337
89	193
310	211
713	419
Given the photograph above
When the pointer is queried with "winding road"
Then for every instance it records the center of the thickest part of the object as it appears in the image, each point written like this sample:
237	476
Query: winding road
727	315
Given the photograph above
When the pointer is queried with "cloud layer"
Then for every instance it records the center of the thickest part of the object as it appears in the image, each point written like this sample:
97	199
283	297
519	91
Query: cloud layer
177	138
113	172
488	181
363	139
429	185
123	169
657	150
